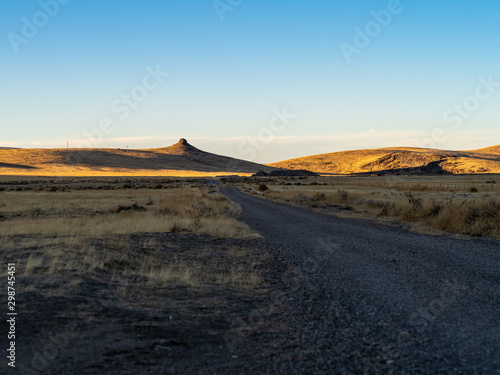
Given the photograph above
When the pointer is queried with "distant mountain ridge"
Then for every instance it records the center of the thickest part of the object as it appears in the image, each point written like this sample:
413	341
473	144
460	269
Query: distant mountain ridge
183	159
404	160
180	159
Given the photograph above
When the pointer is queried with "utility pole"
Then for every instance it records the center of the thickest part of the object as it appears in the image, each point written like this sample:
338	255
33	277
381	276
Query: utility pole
127	148
67	144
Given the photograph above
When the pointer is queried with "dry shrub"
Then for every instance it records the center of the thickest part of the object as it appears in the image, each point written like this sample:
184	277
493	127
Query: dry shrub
463	205
338	197
263	187
302	198
243	275
412	210
133	207
417	211
319	197
471	218
474	218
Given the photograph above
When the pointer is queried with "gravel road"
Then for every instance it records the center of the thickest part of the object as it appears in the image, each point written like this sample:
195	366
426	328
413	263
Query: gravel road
367	298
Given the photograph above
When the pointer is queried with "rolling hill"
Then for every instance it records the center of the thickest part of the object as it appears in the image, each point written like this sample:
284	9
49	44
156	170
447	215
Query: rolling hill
495	150
183	159
402	160
180	159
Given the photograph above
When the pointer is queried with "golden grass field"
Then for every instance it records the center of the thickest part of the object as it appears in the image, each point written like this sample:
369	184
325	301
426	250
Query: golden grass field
399	159
461	205
85	232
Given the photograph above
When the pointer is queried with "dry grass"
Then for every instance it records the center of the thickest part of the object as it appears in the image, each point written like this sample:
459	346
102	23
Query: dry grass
465	205
82	234
100	213
401	158
466	216
176	160
146	262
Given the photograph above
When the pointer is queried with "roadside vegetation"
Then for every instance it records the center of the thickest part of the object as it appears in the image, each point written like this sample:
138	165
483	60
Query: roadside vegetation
463	205
124	233
127	266
81	214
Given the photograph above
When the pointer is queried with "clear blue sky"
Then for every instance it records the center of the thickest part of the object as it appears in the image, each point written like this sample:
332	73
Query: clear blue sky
230	69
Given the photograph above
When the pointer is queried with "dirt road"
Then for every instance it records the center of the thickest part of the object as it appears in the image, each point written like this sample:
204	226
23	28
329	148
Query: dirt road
370	298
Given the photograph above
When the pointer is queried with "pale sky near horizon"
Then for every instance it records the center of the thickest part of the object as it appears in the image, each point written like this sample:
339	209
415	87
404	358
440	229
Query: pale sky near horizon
257	80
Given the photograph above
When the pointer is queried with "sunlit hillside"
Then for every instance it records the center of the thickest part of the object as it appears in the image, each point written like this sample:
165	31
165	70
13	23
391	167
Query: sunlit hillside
399	160
495	150
181	159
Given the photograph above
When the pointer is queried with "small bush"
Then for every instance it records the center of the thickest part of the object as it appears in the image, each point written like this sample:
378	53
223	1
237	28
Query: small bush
416	203
132	208
435	209
263	187
470	218
343	196
387	208
167	211
302	198
319	197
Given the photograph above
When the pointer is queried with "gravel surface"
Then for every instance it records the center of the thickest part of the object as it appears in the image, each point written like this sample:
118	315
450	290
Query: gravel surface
366	298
